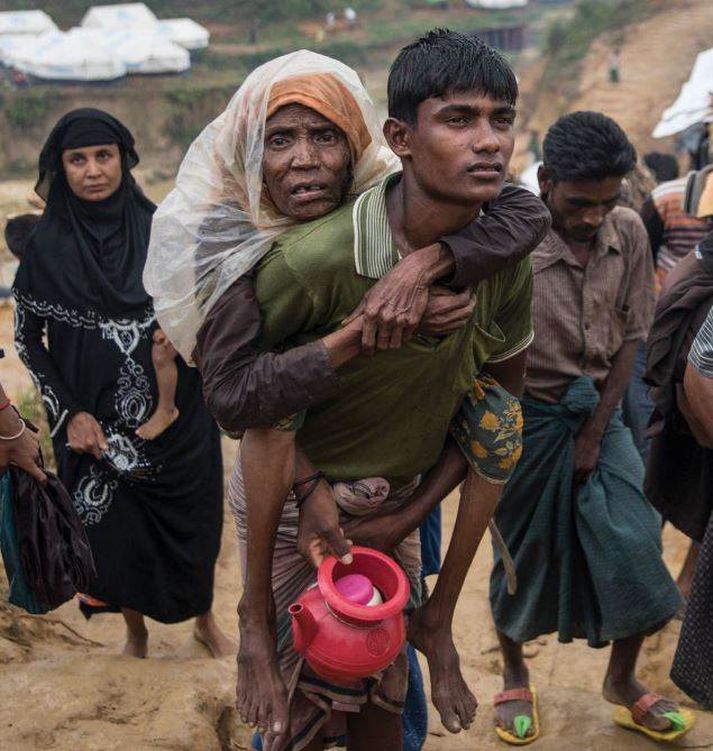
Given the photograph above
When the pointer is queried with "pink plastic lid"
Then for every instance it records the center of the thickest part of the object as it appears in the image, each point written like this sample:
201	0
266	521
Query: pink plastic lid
356	588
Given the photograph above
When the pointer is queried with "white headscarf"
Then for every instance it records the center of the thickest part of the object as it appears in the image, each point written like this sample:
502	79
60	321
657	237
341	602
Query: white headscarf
218	221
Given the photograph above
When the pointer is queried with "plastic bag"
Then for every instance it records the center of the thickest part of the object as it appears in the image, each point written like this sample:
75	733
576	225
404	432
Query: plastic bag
52	547
20	593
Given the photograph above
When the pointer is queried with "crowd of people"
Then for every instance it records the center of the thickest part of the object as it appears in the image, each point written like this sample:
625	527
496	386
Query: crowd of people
380	318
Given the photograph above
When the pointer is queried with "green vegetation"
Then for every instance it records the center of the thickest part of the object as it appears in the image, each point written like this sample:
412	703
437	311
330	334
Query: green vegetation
347	51
180	106
373	43
270	10
189	109
26	110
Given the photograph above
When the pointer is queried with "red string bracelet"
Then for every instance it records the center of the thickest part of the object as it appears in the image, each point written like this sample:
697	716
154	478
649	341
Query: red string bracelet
5	404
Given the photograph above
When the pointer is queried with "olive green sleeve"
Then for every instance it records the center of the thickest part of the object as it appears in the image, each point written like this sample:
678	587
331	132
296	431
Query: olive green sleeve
514	316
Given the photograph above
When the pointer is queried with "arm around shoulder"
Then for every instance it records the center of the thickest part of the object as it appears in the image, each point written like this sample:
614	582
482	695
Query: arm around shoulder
511	228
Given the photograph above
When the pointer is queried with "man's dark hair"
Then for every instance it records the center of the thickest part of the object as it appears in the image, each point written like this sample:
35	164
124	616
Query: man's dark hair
445	61
18	231
664	166
587	146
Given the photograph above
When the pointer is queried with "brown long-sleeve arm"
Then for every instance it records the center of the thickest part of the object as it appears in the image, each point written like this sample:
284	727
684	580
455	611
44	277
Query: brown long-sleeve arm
244	387
511	228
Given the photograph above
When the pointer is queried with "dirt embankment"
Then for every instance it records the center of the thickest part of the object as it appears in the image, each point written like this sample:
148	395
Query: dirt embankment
656	57
164	117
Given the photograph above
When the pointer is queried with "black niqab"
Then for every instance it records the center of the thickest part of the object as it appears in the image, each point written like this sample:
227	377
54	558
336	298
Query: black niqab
89	253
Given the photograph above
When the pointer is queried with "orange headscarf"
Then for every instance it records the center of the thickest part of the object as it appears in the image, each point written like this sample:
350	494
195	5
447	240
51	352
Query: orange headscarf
219	220
325	94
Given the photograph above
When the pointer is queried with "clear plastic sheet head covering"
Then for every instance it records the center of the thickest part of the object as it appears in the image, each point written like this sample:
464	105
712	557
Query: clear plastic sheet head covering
219	221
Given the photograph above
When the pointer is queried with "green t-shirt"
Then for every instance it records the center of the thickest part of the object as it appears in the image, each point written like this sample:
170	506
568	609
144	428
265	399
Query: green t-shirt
390	415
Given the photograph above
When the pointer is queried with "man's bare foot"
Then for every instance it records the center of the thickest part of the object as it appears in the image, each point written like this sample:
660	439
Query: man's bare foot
628	691
159	421
261	696
208	633
137	645
449	692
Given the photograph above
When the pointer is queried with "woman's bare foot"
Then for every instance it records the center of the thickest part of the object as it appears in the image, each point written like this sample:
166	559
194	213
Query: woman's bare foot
136	646
159	421
137	636
628	691
208	633
261	696
449	692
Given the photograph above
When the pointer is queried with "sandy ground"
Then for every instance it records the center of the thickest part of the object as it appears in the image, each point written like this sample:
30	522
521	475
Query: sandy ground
63	684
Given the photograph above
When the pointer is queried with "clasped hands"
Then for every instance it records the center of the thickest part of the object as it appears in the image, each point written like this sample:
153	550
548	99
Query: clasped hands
404	302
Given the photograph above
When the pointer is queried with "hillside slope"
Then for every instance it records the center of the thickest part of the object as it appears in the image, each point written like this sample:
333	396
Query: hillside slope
656	58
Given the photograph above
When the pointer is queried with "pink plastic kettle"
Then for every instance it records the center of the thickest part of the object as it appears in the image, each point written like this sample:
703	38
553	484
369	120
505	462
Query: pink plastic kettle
342	635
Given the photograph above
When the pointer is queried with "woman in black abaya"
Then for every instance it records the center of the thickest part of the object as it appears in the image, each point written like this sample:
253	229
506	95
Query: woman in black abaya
152	510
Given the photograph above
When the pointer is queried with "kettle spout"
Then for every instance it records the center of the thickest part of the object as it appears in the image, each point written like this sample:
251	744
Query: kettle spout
304	626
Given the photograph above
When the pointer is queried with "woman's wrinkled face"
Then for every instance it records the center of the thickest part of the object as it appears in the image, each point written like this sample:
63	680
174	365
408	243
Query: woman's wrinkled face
93	172
306	163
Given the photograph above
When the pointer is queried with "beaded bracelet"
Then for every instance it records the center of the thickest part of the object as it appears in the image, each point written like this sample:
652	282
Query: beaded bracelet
17	435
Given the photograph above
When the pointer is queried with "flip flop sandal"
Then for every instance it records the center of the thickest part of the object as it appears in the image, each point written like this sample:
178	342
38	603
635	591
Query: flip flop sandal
681	720
521	722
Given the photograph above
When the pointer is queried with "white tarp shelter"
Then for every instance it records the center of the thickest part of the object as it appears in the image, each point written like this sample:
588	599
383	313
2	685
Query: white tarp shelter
694	102
184	31
76	55
112	41
119	16
25	22
15	47
18	50
496	4
528	178
146	52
